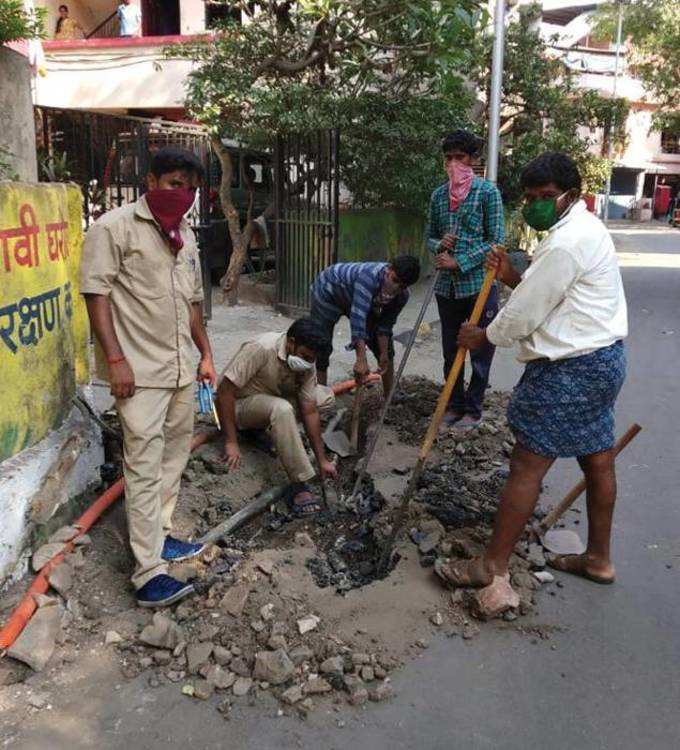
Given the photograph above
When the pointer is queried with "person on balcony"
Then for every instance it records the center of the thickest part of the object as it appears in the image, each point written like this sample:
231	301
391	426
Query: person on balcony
67	28
129	19
141	278
371	295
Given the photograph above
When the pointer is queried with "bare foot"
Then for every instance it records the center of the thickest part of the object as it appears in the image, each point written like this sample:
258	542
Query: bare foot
464	573
584	566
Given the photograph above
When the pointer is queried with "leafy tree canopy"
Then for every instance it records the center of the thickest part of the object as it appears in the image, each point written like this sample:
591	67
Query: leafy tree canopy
16	23
652	30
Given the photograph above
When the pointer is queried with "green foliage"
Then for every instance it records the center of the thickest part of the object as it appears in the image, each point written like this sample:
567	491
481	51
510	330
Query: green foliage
7	171
17	23
542	107
387	72
652	29
54	168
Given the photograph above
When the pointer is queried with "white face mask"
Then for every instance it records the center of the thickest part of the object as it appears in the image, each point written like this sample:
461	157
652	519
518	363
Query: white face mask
298	364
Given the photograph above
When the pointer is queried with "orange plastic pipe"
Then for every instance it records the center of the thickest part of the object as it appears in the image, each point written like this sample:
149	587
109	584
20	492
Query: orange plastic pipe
27	606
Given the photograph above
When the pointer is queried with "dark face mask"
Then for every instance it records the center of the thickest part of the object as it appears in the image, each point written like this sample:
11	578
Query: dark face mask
168	208
541	213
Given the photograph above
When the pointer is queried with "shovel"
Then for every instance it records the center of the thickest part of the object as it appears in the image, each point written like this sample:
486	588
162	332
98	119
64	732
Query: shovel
337	440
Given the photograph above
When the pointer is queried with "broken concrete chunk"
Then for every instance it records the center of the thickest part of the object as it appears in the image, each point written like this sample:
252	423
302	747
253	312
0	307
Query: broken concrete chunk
316	686
203	689
35	644
360	658
44	554
544	576
274	667
495	599
470	631
535	556
292	695
162	632
300	654
266	565
222	655
358	697
240	666
335	664
437	619
242	686
367	673
198	654
308	623
267	612
112	637
257	625
64	534
276	642
61	578
221	678
234	601
382	692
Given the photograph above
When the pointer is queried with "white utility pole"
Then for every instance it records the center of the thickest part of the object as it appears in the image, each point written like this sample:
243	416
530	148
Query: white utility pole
608	187
495	92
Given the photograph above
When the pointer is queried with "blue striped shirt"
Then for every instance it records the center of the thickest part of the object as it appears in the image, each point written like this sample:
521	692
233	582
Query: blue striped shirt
352	288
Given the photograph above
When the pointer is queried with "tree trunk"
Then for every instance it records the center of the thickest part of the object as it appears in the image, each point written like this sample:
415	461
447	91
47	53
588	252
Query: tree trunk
240	239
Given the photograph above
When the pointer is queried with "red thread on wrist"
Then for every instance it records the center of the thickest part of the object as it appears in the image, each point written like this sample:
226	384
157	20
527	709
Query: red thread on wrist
116	360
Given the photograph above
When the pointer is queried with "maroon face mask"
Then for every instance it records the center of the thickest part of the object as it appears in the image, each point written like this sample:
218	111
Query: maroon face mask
168	208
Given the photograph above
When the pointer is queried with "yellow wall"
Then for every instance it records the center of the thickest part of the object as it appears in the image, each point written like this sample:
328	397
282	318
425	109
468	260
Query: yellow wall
43	321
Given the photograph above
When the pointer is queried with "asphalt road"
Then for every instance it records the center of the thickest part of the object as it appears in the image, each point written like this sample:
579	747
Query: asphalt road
607	677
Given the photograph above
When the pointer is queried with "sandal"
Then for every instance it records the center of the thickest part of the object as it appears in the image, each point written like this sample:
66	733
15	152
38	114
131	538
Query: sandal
302	502
460	574
576	565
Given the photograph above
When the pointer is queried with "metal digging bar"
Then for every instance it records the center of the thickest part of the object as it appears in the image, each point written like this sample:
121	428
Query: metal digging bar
388	401
431	434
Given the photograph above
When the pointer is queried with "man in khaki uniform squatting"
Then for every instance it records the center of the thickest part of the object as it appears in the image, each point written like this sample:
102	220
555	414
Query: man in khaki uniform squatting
261	388
142	283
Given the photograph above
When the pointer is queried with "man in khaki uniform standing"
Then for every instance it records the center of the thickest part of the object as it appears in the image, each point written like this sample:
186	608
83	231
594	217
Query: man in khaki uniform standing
260	389
142	283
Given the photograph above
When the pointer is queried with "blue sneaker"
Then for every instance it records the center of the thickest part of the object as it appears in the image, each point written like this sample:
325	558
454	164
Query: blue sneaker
162	591
175	550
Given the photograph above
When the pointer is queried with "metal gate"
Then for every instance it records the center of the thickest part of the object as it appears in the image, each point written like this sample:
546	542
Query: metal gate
109	155
306	195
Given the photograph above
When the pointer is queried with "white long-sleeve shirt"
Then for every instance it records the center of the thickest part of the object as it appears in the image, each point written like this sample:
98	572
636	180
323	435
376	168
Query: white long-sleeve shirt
570	300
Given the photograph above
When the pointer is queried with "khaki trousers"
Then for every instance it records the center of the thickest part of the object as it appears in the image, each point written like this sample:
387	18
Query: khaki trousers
157	427
263	411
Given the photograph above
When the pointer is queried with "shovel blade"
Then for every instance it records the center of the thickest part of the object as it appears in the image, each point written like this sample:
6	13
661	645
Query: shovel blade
338	442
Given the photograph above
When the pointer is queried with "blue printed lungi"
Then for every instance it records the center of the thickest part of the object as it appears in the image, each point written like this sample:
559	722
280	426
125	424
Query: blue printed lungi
565	408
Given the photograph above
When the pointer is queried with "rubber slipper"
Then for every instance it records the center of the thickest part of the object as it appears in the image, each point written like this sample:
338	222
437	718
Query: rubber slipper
557	563
304	504
456	575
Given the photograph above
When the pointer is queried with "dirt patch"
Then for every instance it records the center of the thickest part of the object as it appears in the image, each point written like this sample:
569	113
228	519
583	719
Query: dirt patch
294	606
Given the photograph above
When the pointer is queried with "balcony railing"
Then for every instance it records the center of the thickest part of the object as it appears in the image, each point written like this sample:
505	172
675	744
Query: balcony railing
107	29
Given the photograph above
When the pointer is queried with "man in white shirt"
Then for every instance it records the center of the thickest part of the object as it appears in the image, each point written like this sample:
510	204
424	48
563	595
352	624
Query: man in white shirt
568	316
129	19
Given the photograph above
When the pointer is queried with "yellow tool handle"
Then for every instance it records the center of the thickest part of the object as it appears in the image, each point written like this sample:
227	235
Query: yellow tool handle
457	366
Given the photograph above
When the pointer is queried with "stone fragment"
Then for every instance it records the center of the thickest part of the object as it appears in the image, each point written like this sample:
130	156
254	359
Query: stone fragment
234	601
535	556
145	662
306	706
367	673
208	632
308	623
12	672
543	576
334	664
300	654
242	686
188	690
470	630
173	675
64	534
429	544
198	654
179	649
522	579
112	637
494	599
44	554
276	642
437	619
274	667
211	553
382	692
220	677
316	686
258	626
36	700
266	565
36	642
61	578
162	656
358	697
240	666
222	655
162	632
188	571
267	612
360	658
292	695
303	539
203	689
379	672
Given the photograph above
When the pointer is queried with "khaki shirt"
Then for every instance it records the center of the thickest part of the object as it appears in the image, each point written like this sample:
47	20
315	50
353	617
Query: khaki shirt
151	291
259	366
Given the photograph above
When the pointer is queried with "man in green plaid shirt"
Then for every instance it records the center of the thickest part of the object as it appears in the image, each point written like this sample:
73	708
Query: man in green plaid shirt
465	218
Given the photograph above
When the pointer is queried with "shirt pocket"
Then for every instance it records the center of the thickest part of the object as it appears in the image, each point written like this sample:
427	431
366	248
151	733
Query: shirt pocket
185	277
148	279
471	219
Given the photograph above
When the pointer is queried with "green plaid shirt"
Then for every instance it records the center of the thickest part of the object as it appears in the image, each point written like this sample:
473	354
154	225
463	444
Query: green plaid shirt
477	224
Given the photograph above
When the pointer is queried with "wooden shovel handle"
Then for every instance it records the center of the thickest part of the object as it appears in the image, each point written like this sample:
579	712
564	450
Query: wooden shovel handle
356	411
567	501
457	366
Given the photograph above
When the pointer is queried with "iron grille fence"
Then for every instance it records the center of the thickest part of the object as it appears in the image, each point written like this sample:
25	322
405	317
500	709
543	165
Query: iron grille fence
306	194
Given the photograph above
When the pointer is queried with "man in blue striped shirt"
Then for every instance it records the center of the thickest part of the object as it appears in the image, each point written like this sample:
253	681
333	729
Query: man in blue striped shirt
371	295
464	221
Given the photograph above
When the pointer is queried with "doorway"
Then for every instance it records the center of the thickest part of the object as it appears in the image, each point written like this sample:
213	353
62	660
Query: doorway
160	17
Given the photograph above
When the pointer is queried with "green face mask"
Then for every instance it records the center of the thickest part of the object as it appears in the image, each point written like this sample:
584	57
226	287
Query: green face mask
541	213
